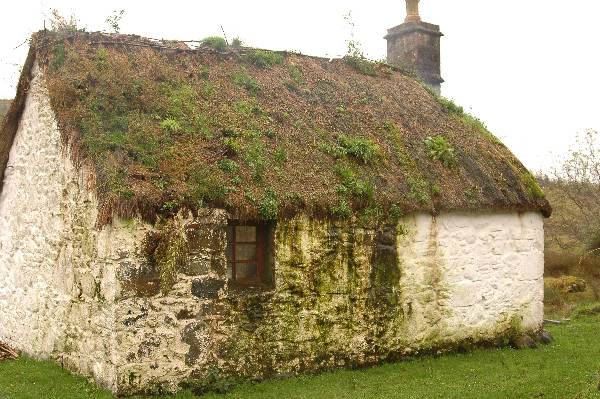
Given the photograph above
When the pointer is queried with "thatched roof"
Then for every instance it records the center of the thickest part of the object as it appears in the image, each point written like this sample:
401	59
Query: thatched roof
265	134
4	105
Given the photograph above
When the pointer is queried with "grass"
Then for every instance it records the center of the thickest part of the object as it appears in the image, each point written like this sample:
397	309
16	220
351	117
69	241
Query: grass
216	42
361	64
242	79
568	368
263	58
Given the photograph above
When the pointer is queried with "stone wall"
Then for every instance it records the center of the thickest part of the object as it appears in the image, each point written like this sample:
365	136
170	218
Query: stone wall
343	296
58	282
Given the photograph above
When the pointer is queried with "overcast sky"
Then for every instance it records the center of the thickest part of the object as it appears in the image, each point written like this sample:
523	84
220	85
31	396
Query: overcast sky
528	68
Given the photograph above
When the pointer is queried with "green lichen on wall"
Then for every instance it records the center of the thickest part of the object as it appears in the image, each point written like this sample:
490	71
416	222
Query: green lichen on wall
167	249
337	303
343	295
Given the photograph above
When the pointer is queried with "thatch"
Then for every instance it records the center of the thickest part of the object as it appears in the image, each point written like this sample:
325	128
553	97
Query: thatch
265	134
4	106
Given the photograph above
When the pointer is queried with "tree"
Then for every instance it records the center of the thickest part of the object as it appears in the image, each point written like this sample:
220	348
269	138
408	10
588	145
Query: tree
578	179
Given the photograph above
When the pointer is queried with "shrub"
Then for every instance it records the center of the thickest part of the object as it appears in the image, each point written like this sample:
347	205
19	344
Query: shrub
232	145
566	284
341	210
268	207
212	382
438	148
58	56
246	81
587	310
229	165
237	42
360	148
352	186
59	23
216	42
295	74
205	187
263	58
170	125
395	213
371	215
280	155
452	108
553	296
247	108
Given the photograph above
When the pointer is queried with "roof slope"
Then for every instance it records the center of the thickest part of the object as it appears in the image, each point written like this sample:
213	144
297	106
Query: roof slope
266	134
4	105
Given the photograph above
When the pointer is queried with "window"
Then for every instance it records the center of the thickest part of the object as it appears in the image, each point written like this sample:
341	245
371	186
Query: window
248	255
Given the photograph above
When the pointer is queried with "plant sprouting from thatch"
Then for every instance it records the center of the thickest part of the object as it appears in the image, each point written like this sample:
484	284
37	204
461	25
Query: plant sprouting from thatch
59	23
114	20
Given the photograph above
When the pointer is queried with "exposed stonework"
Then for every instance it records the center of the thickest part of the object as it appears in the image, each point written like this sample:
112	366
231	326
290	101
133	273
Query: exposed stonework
58	287
342	294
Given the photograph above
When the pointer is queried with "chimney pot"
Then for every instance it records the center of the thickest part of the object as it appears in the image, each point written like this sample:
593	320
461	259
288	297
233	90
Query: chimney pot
412	11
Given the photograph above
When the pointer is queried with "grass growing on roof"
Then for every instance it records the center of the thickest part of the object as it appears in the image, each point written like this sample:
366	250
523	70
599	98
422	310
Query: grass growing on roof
156	133
216	42
263	58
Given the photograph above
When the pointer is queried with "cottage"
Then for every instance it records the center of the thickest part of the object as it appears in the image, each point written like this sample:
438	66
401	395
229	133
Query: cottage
170	214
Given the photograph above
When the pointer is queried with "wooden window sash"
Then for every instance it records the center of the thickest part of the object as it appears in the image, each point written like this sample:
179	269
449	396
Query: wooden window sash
260	252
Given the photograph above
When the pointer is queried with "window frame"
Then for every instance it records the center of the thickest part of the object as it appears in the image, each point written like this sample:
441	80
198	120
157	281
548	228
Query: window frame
261	236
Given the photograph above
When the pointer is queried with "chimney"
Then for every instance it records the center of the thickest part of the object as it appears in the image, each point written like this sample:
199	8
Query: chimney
415	45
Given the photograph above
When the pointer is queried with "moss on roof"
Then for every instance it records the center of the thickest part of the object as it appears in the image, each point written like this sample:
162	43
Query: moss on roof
267	134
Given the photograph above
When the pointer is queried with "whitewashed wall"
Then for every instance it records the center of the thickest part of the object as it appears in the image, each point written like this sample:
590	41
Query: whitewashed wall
57	272
487	268
61	280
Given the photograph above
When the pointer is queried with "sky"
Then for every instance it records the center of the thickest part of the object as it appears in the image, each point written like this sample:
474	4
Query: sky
527	68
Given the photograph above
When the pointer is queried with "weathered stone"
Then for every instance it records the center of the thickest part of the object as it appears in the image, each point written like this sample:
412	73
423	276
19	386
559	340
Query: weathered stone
546	338
141	279
207	288
524	342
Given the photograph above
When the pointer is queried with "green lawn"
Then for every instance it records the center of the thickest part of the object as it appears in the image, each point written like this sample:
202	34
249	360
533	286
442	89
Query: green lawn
568	368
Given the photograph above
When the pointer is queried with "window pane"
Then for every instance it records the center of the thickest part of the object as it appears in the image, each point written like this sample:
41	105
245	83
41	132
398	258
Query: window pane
245	252
230	271
245	233
245	271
